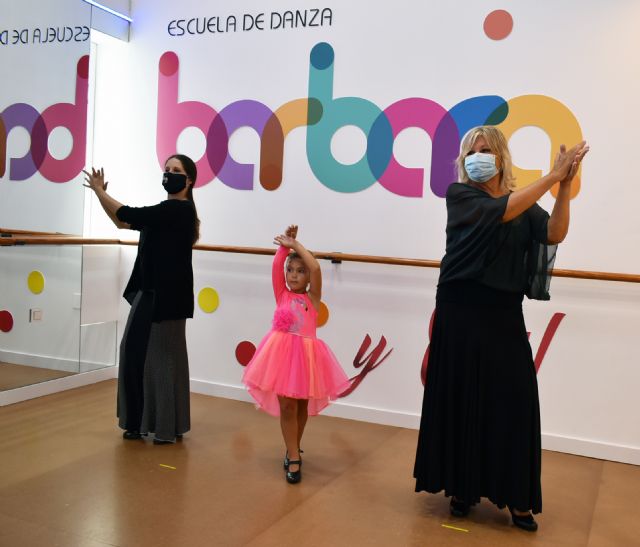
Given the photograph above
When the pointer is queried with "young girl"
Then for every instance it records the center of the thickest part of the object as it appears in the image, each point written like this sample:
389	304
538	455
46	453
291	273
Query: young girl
293	374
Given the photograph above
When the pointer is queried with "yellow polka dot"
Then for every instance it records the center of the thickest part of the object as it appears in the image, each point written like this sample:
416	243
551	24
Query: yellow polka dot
35	282
323	315
208	300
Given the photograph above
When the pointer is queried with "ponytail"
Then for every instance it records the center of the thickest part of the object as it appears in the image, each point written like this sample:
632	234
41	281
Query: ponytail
192	174
196	224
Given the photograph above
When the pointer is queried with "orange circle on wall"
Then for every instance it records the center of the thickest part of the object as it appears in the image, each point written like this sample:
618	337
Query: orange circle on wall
498	24
323	315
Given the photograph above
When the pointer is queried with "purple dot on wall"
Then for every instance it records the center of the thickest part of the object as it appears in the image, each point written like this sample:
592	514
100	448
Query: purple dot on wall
6	321
244	352
498	24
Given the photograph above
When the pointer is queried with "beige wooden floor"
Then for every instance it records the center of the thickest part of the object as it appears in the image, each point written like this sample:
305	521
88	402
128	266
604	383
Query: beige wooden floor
67	478
14	376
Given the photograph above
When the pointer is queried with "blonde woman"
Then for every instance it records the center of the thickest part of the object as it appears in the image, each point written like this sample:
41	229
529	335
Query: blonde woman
480	428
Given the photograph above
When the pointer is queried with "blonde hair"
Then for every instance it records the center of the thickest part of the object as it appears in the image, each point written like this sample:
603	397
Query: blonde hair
498	145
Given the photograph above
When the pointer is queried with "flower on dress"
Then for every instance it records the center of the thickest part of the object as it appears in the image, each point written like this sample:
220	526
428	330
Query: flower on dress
284	319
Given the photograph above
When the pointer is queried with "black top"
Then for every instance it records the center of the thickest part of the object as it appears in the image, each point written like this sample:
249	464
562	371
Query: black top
512	256
163	263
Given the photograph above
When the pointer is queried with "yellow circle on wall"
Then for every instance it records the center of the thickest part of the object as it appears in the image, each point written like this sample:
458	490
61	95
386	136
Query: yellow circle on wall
208	300
323	315
35	282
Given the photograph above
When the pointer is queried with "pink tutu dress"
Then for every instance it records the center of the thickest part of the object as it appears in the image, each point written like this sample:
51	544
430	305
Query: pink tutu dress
290	360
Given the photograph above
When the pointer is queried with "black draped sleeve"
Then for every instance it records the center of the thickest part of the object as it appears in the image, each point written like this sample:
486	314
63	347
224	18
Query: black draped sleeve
541	255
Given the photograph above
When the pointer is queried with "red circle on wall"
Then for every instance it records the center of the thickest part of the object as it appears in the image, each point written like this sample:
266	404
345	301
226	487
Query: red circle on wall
83	67
6	321
244	352
498	24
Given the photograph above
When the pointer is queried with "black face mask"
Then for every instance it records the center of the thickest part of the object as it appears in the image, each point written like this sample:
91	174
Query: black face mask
174	182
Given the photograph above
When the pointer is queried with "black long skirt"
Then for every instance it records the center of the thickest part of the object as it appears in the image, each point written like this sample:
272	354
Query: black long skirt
480	427
153	379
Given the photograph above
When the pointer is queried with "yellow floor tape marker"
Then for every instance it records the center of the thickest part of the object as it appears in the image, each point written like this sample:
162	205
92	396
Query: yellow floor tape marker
167	466
455	528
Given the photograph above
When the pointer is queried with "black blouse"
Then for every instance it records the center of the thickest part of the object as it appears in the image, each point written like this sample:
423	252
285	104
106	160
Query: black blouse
163	264
512	256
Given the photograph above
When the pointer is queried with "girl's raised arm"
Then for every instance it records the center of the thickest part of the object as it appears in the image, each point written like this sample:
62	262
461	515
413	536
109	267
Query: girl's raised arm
315	273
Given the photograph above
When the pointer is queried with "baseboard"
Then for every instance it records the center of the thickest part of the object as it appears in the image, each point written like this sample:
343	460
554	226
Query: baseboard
591	448
52	363
216	389
40	361
25	393
341	409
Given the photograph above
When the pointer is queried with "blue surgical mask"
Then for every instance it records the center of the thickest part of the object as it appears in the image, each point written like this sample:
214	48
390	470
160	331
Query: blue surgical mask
480	167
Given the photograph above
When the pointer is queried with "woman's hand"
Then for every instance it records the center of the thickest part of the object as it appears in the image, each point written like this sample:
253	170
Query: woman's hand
565	160
566	181
95	180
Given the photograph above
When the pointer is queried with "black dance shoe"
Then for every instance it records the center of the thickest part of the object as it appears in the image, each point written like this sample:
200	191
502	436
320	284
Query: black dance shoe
458	508
294	477
131	435
525	522
285	463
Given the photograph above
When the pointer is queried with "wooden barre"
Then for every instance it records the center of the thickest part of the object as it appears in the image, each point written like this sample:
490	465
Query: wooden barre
34	238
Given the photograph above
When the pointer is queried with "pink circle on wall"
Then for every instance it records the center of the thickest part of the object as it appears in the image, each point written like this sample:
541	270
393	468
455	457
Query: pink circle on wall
6	321
498	24
169	63
244	352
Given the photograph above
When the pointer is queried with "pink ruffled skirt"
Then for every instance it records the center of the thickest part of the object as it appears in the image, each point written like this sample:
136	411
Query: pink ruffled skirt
294	366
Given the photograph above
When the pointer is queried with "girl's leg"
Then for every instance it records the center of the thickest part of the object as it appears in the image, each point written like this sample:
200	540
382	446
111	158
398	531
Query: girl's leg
303	414
289	427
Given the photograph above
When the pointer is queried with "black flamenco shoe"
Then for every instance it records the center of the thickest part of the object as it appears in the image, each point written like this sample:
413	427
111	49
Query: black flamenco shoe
294	477
526	522
459	508
131	435
285	463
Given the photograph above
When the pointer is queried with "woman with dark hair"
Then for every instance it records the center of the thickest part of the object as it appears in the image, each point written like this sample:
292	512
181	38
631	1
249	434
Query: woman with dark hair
153	380
480	427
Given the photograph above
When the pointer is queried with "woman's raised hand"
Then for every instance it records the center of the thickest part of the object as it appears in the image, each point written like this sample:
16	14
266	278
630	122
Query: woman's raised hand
567	162
577	160
95	180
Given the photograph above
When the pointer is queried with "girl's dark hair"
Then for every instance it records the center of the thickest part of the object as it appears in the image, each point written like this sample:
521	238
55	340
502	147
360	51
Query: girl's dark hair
192	174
